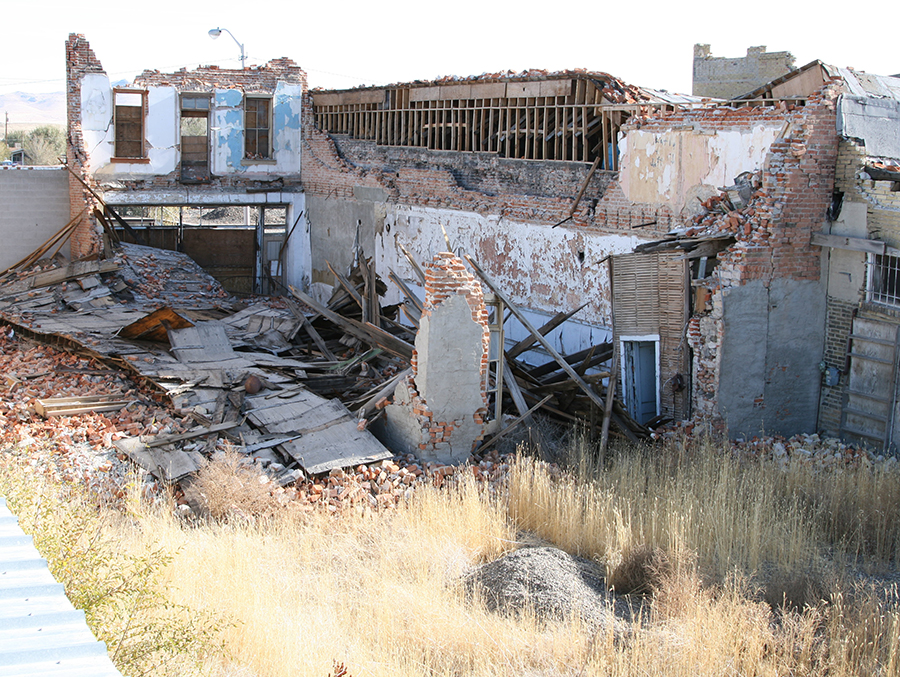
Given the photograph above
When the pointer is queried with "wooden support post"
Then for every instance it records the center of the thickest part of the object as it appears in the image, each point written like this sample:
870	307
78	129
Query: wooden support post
608	408
549	348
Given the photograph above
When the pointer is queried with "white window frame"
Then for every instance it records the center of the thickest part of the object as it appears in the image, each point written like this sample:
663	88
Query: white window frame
645	338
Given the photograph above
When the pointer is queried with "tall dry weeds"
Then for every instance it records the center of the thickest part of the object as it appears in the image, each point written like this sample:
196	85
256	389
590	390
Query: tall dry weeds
377	593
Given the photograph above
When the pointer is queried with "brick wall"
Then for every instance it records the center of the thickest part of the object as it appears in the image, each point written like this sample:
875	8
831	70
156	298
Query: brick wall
838	324
254	79
522	190
447	440
80	60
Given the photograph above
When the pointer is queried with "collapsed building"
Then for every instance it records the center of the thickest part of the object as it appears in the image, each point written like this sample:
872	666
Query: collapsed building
738	254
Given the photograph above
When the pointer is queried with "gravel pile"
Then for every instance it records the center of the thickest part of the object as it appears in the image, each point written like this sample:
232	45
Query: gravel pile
550	583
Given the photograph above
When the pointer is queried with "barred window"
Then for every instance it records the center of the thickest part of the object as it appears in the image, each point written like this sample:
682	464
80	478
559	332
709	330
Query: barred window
883	280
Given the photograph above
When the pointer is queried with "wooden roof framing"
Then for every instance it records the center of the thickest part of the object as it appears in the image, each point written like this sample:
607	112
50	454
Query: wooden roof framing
573	116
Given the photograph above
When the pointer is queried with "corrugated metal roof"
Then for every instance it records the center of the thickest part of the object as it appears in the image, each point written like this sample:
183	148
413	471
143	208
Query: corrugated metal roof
41	633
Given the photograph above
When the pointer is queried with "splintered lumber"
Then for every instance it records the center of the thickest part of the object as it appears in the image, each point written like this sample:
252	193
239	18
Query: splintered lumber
346	284
546	344
168	466
512	385
365	332
412	262
311	332
608	410
554	322
153	327
387	389
72	406
407	292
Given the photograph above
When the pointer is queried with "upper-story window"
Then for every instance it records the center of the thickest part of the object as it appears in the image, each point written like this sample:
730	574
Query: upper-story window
883	279
257	128
130	112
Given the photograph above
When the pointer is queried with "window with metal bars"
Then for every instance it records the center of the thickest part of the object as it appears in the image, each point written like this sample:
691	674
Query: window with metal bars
883	279
257	114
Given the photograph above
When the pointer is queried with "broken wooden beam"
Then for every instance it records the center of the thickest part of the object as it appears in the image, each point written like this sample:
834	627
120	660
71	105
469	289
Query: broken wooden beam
546	344
72	406
365	332
554	322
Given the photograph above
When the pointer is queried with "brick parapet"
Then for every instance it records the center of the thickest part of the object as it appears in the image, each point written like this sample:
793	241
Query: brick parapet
254	79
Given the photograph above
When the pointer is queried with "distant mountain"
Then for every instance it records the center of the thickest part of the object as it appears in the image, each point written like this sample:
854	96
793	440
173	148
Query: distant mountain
34	108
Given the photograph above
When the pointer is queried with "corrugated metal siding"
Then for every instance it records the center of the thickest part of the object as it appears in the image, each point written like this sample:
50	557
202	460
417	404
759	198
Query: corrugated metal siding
649	298
41	633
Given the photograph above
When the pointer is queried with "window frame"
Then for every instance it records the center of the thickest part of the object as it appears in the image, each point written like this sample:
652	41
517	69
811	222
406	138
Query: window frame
270	157
888	291
143	123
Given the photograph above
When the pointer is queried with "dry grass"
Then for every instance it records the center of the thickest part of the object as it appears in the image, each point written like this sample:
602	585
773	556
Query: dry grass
713	539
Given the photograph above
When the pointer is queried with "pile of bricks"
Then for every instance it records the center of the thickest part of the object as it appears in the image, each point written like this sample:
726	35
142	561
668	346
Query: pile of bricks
388	484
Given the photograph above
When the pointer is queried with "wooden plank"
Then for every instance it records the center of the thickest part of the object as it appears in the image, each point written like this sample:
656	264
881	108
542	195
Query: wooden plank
513	424
72	406
365	332
549	348
857	244
205	342
512	385
168	466
338	446
153	327
554	322
197	432
608	409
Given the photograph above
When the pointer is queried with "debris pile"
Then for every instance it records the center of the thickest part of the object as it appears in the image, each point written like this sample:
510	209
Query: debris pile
164	368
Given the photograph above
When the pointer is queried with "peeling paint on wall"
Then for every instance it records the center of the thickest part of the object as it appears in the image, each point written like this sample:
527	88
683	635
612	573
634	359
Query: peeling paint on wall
542	268
661	167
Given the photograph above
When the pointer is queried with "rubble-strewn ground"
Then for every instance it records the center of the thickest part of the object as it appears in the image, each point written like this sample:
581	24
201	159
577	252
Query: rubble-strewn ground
768	557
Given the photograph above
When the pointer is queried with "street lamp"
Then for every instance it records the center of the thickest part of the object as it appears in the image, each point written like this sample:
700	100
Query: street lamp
216	32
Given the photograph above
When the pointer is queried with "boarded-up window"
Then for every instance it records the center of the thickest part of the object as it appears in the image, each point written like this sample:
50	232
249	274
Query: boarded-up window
129	123
257	114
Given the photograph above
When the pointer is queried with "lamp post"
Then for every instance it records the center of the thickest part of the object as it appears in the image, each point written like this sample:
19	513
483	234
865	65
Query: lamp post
216	32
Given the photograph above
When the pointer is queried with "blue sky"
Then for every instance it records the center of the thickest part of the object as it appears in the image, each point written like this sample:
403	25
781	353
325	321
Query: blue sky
347	43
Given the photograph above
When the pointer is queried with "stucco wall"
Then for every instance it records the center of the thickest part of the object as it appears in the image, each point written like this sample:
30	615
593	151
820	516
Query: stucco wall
34	204
663	167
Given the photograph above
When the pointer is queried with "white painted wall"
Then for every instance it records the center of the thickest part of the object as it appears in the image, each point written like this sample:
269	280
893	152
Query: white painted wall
537	266
163	129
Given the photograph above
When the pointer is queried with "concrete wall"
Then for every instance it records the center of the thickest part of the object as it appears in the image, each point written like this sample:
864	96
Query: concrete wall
34	204
769	369
725	78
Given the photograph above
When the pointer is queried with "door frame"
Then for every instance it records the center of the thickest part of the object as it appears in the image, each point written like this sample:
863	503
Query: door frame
645	338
